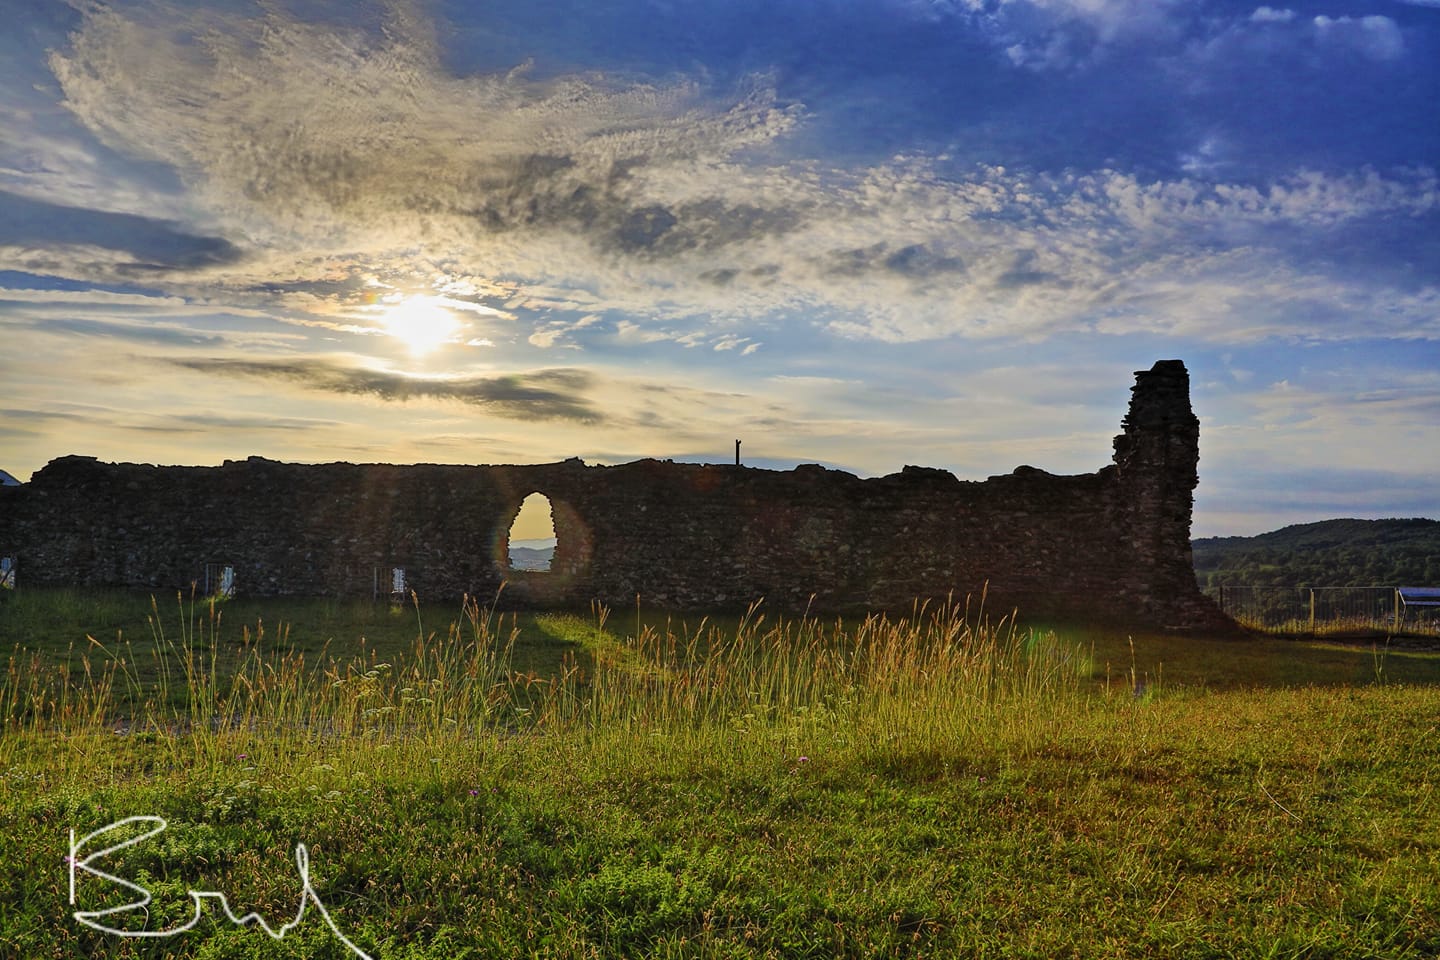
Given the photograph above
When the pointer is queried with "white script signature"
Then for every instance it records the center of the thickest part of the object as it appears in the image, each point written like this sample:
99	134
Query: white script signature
91	917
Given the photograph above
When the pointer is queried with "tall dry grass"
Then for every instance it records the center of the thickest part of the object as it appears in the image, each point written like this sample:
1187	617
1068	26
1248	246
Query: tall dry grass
886	686
790	686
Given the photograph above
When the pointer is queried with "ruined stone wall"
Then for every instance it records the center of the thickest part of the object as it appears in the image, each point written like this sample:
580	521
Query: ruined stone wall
1112	545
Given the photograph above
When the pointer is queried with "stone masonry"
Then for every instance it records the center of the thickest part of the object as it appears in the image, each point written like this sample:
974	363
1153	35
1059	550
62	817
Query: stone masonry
1111	546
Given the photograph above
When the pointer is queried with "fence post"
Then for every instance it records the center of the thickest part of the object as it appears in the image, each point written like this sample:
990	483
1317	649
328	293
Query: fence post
1312	611
1396	628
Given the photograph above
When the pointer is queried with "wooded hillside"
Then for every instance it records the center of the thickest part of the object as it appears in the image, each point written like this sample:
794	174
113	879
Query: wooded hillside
1334	553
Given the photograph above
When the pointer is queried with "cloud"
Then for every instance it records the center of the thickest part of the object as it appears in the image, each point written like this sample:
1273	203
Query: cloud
1355	400
57	314
543	395
206	424
679	203
1377	37
93	415
1271	15
111	328
627	331
1048	35
150	245
1335	437
548	334
328	128
67	299
1297	427
1294	45
1264	499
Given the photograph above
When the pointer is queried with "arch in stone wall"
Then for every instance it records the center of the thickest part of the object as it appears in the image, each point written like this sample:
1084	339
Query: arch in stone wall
533	503
570	564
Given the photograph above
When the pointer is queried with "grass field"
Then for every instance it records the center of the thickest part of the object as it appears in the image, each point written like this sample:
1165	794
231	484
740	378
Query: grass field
636	785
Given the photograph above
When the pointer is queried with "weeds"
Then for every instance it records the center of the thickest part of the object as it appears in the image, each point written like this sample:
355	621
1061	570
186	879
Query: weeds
928	785
933	675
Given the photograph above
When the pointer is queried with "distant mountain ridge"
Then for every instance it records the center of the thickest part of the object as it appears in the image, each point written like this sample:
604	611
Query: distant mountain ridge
534	555
1333	553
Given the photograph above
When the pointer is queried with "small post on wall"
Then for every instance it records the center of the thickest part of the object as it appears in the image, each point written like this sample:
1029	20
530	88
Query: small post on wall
737	453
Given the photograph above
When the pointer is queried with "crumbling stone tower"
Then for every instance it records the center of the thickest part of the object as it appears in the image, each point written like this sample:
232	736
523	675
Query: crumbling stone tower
1157	470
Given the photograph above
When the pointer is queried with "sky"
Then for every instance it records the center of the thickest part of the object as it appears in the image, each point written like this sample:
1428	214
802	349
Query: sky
862	233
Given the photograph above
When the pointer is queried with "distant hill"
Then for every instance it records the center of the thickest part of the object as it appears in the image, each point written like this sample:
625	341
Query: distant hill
1332	553
530	558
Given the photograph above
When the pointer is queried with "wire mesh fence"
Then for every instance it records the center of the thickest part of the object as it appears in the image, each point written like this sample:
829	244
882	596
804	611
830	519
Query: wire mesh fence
1323	610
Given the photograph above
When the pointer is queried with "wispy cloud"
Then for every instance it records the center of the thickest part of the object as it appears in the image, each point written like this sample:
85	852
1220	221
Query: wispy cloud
109	299
1348	440
543	395
119	418
592	193
145	246
1266	497
1272	15
1376	37
136	317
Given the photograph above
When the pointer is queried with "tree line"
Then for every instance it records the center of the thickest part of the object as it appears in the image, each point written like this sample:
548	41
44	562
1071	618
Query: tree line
1331	553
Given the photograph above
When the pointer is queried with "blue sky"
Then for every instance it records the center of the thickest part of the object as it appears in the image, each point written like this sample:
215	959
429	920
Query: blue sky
866	233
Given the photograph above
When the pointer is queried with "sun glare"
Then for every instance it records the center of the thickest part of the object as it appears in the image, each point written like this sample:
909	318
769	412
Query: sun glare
421	323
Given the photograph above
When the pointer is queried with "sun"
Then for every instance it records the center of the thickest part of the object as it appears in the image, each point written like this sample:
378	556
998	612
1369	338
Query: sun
421	322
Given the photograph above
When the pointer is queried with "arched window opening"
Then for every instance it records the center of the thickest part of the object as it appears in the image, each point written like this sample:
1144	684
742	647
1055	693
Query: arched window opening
532	536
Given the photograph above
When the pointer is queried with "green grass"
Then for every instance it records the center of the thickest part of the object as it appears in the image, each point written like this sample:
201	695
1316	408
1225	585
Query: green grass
1175	661
56	621
647	787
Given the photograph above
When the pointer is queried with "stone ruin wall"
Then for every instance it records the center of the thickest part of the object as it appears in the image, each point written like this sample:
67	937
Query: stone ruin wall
1109	546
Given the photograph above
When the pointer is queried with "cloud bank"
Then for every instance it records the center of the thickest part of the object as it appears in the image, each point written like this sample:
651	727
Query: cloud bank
684	206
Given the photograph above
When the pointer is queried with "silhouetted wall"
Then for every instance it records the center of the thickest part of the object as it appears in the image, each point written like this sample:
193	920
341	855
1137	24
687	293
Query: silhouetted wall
1113	545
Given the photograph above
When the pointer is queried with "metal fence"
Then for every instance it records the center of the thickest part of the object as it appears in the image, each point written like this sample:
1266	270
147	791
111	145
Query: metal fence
1325	609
